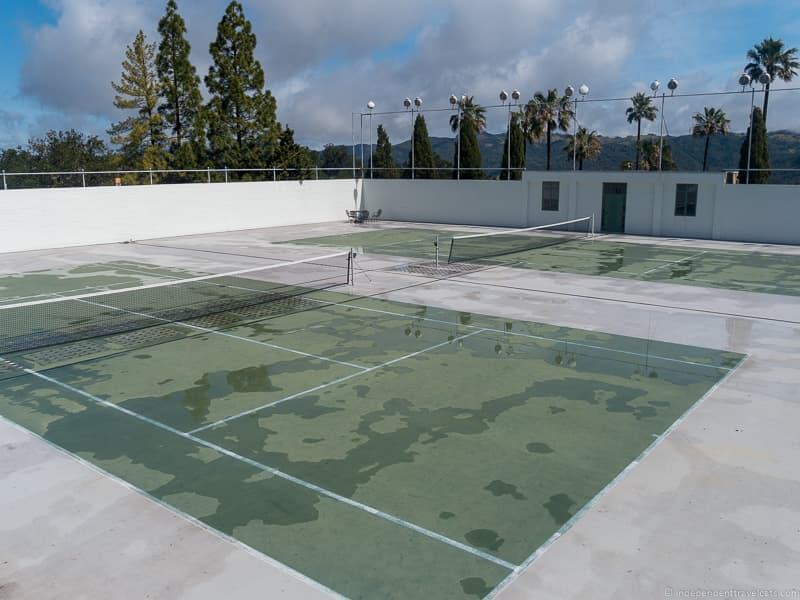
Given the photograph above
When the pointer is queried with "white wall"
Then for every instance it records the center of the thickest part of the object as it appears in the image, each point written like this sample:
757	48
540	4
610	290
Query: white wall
760	213
466	202
53	218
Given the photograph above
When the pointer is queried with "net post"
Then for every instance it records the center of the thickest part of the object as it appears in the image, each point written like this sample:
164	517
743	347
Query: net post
226	173
5	184
592	226
274	174
151	175
436	244
350	268
83	177
208	174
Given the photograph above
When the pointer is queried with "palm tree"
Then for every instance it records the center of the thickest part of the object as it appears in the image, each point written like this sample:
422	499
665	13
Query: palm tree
543	113
588	146
641	109
711	121
771	56
472	112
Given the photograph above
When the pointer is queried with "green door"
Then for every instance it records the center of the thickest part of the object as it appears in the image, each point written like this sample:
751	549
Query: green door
613	216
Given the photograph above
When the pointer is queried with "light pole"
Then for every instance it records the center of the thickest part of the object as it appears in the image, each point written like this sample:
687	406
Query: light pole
370	107
418	105
515	96
569	92
456	103
672	84
744	81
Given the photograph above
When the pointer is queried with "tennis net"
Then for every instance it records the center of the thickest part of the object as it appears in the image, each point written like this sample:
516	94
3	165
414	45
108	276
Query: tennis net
65	319
479	246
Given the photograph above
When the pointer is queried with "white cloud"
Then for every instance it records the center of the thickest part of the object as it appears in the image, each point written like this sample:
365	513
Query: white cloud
324	60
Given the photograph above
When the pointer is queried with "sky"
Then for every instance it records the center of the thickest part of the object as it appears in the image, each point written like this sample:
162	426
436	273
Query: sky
324	60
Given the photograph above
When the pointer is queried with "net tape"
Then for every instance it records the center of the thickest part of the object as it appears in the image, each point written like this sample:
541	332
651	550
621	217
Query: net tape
478	246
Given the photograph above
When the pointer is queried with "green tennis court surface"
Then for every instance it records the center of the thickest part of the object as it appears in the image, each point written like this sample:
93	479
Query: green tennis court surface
734	270
380	448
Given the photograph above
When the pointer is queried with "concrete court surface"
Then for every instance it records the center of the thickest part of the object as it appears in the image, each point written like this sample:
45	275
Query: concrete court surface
713	507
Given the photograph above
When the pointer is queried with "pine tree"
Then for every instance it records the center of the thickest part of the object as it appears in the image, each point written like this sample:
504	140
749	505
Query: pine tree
242	125
180	85
293	157
140	135
424	162
382	160
759	154
517	150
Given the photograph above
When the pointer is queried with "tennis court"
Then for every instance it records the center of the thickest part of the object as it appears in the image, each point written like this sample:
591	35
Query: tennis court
571	252
381	448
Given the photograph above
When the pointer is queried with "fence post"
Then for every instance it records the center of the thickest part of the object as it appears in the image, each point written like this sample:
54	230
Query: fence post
151	176
83	176
5	185
208	173
316	171
226	174
274	174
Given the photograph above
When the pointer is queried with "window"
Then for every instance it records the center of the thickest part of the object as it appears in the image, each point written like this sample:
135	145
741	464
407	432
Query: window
686	200
549	195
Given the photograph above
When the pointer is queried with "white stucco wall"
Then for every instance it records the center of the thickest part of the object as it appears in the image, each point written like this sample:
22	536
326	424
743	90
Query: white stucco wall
758	213
54	218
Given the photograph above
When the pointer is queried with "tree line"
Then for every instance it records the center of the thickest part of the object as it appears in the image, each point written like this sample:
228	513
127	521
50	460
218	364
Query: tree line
168	125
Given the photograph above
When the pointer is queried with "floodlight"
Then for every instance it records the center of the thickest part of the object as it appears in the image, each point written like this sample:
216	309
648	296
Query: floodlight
417	101
453	100
370	105
568	91
744	80
584	89
407	102
515	95
765	78
673	84
654	85
503	96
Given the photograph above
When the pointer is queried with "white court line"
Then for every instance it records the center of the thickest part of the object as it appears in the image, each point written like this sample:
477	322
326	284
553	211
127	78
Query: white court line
278	473
175	510
228	335
340	380
666	264
608	487
526	335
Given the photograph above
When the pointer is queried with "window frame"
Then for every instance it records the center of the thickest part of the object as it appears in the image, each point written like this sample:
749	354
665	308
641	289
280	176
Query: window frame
686	199
548	202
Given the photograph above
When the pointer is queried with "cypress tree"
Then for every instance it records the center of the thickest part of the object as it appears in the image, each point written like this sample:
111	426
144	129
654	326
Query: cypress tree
470	151
242	126
291	155
424	162
180	85
759	154
140	135
517	150
382	161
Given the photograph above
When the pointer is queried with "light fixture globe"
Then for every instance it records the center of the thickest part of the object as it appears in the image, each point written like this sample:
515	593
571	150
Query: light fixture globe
654	85
569	91
407	102
503	95
672	84
744	79
418	102
764	78
584	90
515	95
370	105
453	100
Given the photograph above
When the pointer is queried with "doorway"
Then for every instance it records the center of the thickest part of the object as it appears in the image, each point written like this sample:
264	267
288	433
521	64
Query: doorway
613	214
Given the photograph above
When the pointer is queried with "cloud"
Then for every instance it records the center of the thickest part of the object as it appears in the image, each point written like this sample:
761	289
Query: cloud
323	61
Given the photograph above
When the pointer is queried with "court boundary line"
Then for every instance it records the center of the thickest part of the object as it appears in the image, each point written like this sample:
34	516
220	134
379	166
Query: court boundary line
667	263
548	544
276	472
533	336
303	578
330	383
